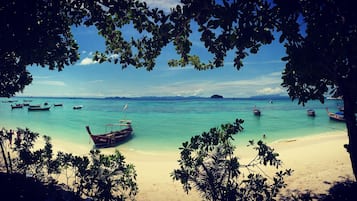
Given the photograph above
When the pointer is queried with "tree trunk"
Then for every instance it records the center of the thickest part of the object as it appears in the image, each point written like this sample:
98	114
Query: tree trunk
349	113
4	155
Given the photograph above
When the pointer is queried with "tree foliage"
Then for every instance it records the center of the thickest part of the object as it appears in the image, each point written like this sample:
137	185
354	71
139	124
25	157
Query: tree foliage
38	32
209	164
34	33
223	26
322	56
104	177
98	177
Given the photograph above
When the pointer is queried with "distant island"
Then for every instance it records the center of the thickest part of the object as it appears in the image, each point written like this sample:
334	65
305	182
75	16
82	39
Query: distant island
216	96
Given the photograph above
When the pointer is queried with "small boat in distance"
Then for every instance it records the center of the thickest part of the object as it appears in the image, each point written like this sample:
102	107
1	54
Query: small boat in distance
77	107
112	138
57	104
17	106
256	111
311	113
337	116
38	108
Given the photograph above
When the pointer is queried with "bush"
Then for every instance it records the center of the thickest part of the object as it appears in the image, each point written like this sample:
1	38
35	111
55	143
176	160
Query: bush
208	164
97	177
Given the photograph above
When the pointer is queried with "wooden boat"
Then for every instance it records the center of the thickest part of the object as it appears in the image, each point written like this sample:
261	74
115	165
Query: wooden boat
337	116
256	111
311	113
36	108
58	104
112	138
77	107
16	106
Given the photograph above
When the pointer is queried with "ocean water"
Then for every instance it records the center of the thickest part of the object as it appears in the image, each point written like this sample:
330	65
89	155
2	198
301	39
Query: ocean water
163	124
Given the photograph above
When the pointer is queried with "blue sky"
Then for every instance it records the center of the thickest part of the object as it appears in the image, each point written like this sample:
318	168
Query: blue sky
261	74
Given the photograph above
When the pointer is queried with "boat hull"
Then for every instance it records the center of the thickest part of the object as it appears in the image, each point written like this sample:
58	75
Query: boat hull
77	107
110	139
256	112
38	108
336	117
17	106
311	113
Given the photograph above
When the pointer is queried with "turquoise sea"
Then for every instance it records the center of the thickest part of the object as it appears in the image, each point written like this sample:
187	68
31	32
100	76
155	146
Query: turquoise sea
162	124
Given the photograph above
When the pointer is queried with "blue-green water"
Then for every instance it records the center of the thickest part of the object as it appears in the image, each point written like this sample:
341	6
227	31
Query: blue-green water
163	124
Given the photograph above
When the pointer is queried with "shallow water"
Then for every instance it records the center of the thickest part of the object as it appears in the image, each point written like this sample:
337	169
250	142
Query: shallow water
163	124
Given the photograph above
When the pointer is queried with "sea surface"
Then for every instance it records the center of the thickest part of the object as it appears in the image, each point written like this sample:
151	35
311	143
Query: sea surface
162	124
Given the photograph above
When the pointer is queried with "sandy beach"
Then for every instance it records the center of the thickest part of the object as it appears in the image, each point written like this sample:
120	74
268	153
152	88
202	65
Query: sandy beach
317	161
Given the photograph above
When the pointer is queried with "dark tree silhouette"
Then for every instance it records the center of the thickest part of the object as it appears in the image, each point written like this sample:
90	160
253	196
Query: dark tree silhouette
322	56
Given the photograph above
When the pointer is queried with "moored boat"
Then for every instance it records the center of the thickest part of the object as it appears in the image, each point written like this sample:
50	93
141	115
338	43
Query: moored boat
112	138
311	113
256	111
77	107
57	104
16	106
337	116
36	108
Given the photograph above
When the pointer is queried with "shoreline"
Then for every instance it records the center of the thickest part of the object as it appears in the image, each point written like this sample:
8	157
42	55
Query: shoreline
317	160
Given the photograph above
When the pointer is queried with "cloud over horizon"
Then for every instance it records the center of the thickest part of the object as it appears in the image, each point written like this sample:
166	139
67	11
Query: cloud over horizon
51	83
87	61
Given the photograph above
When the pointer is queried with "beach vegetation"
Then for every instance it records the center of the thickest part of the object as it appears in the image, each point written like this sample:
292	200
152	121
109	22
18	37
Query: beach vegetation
209	164
96	177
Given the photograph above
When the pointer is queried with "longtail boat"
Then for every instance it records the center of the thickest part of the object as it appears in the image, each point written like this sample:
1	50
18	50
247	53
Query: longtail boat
112	138
337	116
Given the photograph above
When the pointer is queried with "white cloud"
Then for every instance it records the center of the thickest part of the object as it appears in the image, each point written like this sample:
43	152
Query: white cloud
40	77
87	61
163	4
269	91
276	74
114	56
51	83
263	85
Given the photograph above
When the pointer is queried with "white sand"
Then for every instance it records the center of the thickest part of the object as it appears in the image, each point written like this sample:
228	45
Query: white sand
317	162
